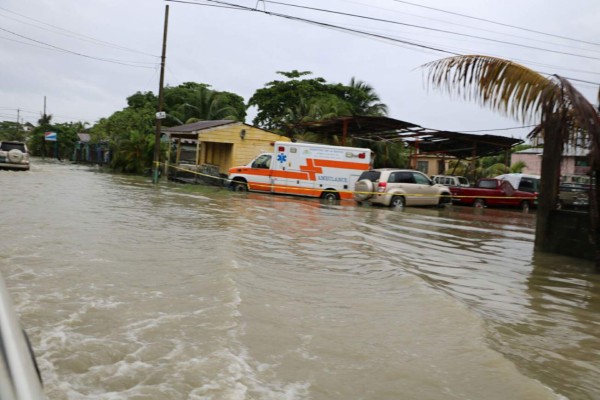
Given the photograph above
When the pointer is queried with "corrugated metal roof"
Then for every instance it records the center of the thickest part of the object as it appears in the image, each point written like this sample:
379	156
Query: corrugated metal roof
374	129
197	126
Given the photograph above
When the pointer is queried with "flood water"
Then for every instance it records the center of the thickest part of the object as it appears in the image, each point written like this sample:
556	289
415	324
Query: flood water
134	291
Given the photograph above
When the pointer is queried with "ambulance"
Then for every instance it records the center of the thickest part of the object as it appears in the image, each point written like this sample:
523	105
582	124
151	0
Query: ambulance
304	169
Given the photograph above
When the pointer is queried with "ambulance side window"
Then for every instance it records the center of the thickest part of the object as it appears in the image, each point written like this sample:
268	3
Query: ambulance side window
263	161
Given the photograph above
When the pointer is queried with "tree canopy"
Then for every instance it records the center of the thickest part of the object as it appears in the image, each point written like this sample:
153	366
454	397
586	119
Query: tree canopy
284	105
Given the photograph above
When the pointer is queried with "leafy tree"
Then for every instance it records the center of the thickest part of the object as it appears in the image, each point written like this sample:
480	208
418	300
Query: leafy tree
501	168
133	153
66	138
196	100
11	131
278	98
390	155
129	129
284	106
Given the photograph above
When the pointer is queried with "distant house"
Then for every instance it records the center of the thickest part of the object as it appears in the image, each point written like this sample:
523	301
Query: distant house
212	147
87	152
430	164
575	160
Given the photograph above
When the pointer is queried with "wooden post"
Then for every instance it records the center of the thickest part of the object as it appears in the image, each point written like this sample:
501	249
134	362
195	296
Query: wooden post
198	149
155	166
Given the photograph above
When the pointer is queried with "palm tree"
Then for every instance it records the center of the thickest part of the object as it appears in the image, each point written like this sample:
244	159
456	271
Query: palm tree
518	91
45	119
364	100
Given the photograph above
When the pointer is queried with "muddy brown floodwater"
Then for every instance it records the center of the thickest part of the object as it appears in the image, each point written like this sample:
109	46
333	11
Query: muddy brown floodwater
134	291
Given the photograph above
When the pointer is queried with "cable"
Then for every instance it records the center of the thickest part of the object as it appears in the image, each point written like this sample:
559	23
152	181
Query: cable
354	31
312	22
432	29
496	23
462	25
498	129
73	34
126	63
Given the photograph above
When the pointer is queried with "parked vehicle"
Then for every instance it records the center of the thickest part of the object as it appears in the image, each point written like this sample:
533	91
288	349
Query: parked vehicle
399	188
304	169
492	192
523	182
574	192
14	155
451	180
19	375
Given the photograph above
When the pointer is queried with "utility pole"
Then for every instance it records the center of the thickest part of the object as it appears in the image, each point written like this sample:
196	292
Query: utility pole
160	114
18	116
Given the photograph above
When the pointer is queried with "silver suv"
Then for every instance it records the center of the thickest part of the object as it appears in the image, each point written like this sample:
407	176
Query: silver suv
14	155
399	187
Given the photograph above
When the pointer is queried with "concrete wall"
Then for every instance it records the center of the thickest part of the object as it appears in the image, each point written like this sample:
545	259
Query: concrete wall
533	162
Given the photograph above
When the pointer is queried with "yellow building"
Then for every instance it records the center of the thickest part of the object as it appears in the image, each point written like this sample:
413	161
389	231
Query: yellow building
212	147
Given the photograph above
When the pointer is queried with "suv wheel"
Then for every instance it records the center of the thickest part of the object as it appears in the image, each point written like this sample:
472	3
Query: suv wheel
398	201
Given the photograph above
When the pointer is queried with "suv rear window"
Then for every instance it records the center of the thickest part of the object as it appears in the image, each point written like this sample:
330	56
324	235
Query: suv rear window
8	146
370	175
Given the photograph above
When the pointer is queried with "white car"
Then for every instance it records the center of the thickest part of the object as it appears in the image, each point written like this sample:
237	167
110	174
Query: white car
399	188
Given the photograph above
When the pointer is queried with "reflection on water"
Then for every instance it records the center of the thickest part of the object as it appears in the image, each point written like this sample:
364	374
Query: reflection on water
130	290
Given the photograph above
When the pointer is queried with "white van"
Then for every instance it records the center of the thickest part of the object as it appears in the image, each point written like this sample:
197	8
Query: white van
304	169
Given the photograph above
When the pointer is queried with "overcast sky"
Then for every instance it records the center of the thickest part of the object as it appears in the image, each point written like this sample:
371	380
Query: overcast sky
87	57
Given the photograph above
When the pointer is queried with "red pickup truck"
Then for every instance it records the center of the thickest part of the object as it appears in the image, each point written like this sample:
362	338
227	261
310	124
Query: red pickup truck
493	193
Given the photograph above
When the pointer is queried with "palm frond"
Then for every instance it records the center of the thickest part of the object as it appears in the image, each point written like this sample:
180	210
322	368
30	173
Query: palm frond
502	85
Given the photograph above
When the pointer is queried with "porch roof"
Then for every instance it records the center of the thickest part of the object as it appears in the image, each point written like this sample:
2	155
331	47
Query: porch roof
378	129
190	131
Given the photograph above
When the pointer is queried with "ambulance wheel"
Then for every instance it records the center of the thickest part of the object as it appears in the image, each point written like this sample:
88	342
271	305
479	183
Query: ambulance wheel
330	196
239	186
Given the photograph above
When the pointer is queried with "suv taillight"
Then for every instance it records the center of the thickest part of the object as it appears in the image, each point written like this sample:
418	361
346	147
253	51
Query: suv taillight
381	187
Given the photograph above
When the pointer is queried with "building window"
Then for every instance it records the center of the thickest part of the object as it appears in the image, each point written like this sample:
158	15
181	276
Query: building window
423	166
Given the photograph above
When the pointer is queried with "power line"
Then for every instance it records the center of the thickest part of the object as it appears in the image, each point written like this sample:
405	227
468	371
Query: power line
479	29
126	63
321	24
432	29
72	34
496	23
352	31
499	129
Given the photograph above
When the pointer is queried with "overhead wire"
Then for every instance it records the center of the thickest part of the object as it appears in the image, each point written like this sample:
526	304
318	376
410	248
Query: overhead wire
497	23
355	31
462	25
126	63
431	29
72	34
